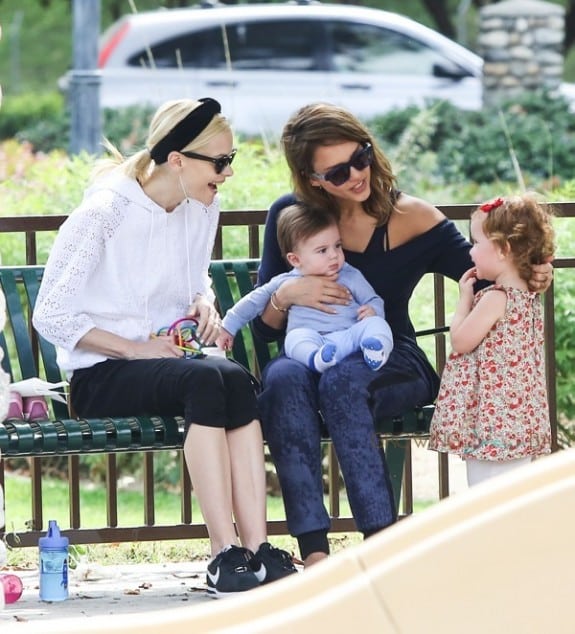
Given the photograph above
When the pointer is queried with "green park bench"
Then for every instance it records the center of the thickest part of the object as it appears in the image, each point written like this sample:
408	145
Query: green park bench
27	354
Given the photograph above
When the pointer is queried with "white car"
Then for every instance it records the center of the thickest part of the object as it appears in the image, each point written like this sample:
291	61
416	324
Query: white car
263	61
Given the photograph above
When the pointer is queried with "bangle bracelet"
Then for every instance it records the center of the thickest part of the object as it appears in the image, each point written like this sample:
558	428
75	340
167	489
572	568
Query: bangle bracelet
273	299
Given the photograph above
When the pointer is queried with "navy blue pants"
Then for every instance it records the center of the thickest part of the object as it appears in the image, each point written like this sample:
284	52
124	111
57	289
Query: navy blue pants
347	395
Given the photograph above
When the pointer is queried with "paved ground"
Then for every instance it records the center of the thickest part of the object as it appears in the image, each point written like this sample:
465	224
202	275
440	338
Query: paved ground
133	588
112	590
425	475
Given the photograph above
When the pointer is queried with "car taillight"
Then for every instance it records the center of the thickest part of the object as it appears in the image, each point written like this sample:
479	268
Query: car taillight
111	44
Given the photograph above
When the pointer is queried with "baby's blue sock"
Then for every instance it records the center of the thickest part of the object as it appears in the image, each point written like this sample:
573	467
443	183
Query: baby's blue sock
373	352
324	358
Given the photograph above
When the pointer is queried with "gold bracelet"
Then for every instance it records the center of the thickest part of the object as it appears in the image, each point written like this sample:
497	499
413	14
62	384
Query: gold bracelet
273	299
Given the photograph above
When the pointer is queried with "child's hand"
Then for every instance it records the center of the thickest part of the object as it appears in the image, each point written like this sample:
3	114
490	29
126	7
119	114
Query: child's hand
225	341
365	311
466	284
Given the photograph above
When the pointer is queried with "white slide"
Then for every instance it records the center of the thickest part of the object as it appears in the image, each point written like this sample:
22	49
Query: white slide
497	558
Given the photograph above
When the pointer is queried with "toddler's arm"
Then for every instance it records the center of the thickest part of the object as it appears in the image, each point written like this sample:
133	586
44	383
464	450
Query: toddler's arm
250	306
470	324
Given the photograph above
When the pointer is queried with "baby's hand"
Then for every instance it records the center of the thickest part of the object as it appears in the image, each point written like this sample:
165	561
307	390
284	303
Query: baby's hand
225	341
365	311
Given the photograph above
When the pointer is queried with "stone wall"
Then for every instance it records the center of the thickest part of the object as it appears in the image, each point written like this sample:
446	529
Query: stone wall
521	42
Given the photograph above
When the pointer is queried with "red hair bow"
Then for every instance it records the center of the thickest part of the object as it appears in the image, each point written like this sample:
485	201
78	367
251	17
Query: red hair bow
487	207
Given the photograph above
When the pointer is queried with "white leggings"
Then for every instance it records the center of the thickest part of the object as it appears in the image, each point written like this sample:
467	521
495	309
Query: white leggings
480	470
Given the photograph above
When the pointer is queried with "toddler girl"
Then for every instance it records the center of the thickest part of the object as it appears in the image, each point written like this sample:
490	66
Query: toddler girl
492	404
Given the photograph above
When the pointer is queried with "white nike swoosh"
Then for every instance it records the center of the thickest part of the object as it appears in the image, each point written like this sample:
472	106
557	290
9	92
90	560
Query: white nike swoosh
261	573
214	578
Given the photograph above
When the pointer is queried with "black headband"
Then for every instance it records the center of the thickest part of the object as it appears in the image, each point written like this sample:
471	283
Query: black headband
186	130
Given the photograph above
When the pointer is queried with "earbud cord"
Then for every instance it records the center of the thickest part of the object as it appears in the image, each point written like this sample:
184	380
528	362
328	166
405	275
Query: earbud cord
186	211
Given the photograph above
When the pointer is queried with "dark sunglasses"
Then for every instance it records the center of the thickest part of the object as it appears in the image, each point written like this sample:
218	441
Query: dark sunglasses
339	174
220	162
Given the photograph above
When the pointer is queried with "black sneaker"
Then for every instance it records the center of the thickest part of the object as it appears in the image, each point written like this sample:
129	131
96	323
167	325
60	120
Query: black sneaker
230	572
270	563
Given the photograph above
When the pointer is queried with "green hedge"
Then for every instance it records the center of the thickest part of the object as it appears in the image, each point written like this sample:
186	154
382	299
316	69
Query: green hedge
44	121
532	138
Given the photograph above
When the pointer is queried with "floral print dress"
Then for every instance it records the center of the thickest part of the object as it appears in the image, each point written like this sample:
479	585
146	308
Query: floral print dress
492	403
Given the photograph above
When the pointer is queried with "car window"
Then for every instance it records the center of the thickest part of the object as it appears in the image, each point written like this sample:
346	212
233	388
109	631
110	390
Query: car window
370	49
275	45
292	45
192	50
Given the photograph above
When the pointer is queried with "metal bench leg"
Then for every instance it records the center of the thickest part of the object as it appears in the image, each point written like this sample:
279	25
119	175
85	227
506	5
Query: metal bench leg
395	454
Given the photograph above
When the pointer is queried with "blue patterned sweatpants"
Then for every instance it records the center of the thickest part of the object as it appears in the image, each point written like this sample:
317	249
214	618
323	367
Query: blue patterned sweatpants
347	395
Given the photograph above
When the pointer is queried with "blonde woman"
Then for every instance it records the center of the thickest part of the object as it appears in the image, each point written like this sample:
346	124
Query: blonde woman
131	259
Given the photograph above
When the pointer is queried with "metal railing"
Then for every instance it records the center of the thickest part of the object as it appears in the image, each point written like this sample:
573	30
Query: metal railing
252	220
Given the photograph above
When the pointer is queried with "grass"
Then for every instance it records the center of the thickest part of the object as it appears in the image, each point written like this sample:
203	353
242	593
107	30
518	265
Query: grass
130	513
55	495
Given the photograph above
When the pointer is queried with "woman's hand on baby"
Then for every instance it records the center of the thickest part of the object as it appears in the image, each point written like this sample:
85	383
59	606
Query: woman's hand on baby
541	277
209	322
365	311
315	291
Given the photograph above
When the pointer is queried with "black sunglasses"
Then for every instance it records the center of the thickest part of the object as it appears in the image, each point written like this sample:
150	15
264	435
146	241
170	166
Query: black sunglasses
220	162
339	174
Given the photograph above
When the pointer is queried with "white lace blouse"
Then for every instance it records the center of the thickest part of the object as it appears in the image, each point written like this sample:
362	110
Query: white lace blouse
122	264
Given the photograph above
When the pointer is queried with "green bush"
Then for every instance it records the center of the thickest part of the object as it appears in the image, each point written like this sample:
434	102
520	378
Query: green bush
21	112
564	350
438	145
127	127
47	135
481	146
44	122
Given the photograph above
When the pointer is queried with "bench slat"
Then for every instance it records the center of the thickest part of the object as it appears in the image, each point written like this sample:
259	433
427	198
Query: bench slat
223	290
169	431
48	433
20	437
19	324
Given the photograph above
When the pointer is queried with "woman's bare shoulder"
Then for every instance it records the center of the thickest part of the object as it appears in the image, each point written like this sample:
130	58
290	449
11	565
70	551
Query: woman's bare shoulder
418	209
412	217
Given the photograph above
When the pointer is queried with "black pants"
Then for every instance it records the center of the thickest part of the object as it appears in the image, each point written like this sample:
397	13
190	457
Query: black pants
212	391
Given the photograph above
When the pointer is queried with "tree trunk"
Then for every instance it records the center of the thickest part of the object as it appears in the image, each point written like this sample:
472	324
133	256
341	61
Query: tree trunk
569	26
439	11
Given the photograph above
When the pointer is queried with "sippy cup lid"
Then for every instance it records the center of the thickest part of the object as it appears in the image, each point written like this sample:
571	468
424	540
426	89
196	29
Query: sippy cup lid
53	539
